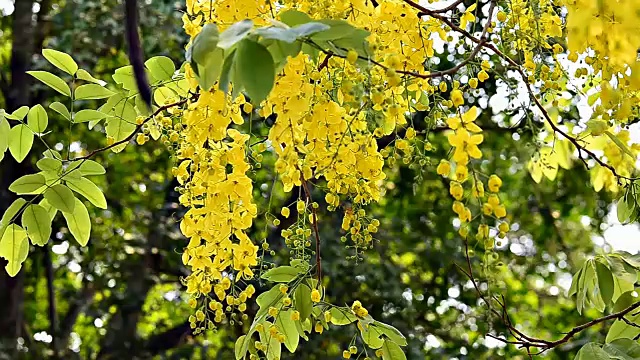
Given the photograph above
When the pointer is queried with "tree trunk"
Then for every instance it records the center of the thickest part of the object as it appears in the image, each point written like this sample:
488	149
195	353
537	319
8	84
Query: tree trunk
16	95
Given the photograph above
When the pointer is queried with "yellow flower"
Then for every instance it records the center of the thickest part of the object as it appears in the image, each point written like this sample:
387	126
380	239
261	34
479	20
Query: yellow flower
315	295
483	231
456	190
462	172
346	354
327	316
444	168
466	145
467	16
500	211
494	183
457	97
318	328
482	76
466	122
295	315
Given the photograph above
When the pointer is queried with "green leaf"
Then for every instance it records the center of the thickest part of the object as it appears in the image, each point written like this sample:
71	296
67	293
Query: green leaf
124	76
180	87
226	73
4	136
161	67
294	17
234	33
287	327
20	141
300	330
338	29
203	44
605	282
591	286
624	349
282	274
241	347
357	41
119	129
209	70
27	184
256	70
269	298
620	329
574	282
312	51
276	33
89	190
60	197
342	316
88	115
14	247
61	60
274	347
19	114
591	351
9	214
623	210
90	167
302	301
372	336
620	144
392	351
309	28
52	154
78	222
37	119
52	81
60	109
281	50
37	222
84	75
49	164
392	333
161	94
52	211
624	274
123	124
92	92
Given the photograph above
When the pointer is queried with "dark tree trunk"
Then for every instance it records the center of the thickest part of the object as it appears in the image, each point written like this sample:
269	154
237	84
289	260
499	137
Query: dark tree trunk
16	90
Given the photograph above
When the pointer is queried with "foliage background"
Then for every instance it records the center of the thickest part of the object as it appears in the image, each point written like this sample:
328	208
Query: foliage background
120	297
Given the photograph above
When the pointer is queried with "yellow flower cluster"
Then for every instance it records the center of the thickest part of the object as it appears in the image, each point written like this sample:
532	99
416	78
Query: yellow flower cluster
610	28
314	136
212	171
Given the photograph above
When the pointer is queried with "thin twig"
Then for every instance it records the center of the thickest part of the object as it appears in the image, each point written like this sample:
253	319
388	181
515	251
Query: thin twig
138	128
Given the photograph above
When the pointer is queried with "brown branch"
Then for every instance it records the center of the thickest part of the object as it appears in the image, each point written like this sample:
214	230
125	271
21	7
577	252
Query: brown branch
138	128
440	11
528	342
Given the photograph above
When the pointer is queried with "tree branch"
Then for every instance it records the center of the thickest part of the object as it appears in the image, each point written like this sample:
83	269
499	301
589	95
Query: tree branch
128	138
